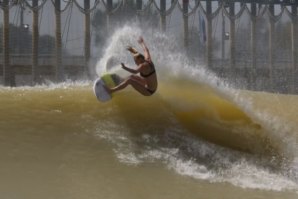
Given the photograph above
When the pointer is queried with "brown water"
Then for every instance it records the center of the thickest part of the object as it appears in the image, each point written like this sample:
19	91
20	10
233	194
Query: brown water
59	142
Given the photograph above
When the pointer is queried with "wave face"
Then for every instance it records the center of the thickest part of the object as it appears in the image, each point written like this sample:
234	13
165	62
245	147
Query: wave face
195	125
204	103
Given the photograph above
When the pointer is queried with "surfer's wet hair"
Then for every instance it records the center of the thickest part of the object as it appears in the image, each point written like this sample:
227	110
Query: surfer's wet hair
136	55
139	56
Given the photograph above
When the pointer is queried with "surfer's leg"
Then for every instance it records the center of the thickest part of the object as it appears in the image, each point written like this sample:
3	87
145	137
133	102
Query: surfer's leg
121	86
136	82
139	79
139	84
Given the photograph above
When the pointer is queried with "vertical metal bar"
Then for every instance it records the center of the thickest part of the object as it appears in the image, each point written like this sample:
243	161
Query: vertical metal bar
162	15
21	16
109	9
232	35
253	45
294	36
58	42
223	41
87	35
294	32
209	34
185	21
8	73
139	5
271	42
20	49
35	37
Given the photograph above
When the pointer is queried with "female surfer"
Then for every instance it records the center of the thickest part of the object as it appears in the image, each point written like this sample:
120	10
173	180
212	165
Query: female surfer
146	82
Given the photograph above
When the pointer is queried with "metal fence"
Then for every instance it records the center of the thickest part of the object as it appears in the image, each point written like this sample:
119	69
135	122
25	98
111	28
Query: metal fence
208	15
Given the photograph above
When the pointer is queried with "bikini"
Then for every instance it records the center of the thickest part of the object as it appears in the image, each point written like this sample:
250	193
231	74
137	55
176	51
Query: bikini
148	75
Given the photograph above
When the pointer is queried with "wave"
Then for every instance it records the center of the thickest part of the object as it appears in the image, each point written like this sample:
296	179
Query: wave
195	124
193	100
190	127
202	102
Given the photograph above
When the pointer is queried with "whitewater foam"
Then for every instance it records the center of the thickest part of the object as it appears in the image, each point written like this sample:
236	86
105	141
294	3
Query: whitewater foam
50	85
199	160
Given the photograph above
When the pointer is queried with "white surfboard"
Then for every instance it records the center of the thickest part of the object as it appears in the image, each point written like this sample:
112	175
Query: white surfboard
100	92
108	80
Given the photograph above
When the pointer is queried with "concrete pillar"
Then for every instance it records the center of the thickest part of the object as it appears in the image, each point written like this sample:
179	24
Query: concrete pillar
162	15
209	34
87	43
58	42
35	38
8	73
223	39
232	35
294	32
271	43
253	45
139	5
185	21
109	8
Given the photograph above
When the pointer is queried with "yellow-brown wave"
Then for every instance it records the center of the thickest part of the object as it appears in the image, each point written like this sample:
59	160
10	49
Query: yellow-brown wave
194	107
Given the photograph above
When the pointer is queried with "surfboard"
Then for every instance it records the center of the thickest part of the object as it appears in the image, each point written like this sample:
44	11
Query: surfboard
108	80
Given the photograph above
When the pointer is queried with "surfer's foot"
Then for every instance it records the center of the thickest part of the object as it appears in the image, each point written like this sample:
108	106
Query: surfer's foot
109	90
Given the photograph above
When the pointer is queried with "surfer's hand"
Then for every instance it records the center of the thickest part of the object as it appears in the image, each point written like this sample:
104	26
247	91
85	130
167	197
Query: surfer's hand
123	66
129	48
141	40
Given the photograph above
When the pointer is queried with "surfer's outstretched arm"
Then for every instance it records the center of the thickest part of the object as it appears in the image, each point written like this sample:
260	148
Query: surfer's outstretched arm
145	48
133	71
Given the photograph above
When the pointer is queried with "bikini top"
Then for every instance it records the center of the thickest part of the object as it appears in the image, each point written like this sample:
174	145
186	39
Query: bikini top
152	72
